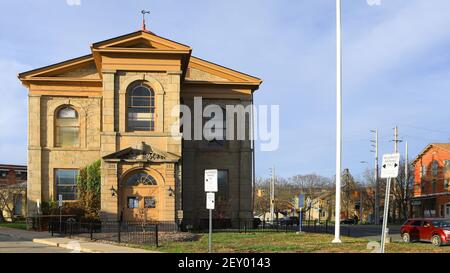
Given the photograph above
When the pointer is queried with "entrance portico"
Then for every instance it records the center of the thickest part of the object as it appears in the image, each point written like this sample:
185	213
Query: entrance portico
146	184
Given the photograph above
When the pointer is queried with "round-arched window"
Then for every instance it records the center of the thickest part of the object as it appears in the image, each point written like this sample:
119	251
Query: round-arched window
141	108
140	178
67	127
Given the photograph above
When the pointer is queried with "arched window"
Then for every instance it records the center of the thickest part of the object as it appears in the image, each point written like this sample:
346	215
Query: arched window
67	128
141	178
434	168
141	108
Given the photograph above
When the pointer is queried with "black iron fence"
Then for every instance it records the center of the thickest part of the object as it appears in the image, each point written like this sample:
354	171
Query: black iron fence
114	231
153	233
256	225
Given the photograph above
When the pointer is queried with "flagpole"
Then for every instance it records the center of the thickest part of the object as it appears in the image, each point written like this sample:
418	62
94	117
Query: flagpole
337	227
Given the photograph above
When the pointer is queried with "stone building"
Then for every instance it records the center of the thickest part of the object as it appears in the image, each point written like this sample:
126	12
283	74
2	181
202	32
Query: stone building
117	104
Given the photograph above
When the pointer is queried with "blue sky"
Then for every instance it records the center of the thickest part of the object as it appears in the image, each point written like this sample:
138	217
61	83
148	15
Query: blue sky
396	65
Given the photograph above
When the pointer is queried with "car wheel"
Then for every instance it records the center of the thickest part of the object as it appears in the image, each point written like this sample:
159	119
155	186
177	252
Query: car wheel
436	240
406	238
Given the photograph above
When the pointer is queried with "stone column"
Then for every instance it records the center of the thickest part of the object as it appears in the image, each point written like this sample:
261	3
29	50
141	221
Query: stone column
167	211
109	203
34	189
245	175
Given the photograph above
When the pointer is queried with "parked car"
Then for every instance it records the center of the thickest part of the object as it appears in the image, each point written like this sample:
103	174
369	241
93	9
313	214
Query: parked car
434	230
349	222
291	220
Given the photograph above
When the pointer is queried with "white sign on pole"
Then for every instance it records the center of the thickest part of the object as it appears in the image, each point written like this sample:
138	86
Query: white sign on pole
390	165
210	199
211	180
60	200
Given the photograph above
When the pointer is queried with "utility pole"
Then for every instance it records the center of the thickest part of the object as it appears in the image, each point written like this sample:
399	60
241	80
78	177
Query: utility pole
396	141
375	173
405	194
272	195
361	206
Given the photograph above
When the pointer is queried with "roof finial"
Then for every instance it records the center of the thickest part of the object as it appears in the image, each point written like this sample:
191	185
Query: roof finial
143	19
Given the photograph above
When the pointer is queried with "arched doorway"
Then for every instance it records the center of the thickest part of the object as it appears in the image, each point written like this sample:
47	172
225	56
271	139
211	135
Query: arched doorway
139	197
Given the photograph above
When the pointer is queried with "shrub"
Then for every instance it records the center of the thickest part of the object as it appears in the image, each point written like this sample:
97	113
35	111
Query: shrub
88	187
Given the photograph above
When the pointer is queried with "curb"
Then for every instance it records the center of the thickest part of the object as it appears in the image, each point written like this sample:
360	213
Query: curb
75	247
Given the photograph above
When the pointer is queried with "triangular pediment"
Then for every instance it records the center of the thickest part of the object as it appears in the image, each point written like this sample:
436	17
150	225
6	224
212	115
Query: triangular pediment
142	40
142	153
82	68
200	70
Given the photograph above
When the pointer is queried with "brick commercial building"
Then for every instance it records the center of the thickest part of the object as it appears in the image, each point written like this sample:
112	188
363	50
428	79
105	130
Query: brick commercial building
13	180
117	104
12	174
431	197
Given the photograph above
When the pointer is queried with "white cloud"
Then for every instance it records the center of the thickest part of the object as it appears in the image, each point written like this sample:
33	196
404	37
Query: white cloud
73	2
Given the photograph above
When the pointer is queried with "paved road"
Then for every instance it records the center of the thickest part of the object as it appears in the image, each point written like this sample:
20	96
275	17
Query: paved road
11	243
371	232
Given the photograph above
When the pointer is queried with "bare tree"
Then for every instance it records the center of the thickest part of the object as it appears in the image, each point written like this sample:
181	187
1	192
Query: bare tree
7	195
402	191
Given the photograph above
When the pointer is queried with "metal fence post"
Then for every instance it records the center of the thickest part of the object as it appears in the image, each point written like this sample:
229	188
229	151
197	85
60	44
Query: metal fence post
326	226
156	236
118	231
245	227
91	233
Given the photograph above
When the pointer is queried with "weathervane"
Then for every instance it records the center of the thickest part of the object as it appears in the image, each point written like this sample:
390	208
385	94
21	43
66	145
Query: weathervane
143	18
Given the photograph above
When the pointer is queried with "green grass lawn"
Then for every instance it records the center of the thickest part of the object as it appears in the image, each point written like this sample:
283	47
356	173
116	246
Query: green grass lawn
13	225
273	242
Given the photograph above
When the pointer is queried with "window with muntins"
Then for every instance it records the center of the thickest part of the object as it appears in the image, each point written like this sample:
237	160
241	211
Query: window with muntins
67	128
434	168
141	108
66	184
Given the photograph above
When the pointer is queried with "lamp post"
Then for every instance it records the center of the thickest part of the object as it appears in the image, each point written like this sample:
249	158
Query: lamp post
337	227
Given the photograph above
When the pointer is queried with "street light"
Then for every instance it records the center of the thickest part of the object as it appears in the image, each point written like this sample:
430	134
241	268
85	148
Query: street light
337	224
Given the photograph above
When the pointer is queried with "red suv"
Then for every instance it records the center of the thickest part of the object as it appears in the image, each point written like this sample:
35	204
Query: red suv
434	230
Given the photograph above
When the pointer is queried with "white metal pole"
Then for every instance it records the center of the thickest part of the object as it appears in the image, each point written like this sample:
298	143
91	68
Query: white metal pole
210	232
386	214
337	227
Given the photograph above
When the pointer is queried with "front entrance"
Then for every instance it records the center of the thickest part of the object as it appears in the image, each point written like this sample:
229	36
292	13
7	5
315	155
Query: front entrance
139	197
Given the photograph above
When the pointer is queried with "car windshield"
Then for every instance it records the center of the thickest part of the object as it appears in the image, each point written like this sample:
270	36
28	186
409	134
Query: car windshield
442	223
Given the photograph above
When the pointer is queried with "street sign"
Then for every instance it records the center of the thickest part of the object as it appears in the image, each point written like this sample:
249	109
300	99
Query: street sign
210	199
301	200
390	165
60	200
211	180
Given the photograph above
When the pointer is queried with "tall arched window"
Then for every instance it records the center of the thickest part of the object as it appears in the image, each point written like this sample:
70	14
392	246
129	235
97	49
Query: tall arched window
434	168
141	108
67	128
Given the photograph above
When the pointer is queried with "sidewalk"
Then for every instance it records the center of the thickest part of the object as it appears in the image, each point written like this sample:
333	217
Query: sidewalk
88	247
73	244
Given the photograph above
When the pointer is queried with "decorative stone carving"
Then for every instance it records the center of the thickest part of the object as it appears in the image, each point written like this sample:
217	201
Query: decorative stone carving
142	153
